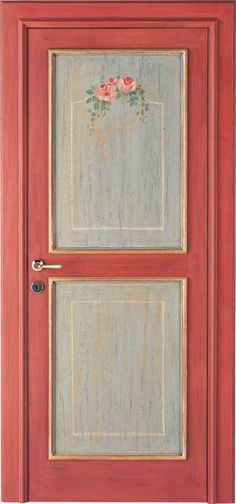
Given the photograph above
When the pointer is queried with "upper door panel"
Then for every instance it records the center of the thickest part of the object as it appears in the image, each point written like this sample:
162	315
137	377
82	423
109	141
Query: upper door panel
118	145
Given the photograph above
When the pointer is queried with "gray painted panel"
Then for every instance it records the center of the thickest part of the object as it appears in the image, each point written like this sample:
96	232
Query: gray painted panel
117	367
121	184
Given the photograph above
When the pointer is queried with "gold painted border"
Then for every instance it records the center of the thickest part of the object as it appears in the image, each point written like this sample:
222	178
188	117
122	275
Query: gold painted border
51	53
51	455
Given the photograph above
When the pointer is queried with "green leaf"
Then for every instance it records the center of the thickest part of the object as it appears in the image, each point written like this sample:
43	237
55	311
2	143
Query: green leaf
88	100
89	91
96	105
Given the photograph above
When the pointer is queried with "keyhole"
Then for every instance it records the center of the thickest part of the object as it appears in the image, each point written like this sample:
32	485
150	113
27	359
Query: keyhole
37	287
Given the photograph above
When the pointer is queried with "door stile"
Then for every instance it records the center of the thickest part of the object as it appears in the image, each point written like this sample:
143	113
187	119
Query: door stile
23	262
212	261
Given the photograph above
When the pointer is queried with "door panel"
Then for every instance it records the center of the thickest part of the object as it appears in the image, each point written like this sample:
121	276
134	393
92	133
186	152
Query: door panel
118	156
118	368
143	274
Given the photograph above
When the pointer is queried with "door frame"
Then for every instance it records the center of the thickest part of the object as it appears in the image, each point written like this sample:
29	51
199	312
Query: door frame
217	19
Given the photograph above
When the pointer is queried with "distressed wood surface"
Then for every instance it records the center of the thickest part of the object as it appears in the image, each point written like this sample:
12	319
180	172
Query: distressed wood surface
112	479
117	368
122	185
118	1
24	434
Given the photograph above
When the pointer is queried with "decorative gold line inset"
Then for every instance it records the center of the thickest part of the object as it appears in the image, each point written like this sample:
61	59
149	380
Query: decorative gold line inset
183	250
117	434
184	364
119	228
183	456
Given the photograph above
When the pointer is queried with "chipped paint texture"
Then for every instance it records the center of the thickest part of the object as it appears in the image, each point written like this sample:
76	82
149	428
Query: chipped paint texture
119	185
117	367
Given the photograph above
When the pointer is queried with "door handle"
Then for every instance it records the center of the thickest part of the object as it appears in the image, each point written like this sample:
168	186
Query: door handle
39	265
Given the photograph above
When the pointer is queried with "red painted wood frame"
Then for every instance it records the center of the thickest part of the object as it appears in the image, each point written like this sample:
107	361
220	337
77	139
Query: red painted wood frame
215	20
119	480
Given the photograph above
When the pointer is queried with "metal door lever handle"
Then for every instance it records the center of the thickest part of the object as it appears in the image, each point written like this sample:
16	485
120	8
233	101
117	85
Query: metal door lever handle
38	265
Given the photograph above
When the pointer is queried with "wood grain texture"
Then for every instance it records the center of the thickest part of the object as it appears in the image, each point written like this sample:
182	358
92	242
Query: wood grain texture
137	166
212	269
130	1
112	481
117	377
226	266
14	268
46	481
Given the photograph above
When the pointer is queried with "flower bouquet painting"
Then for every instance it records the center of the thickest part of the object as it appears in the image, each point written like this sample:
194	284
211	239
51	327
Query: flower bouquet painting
125	89
100	100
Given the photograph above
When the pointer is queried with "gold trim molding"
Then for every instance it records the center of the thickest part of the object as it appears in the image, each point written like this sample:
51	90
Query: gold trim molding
52	250
51	454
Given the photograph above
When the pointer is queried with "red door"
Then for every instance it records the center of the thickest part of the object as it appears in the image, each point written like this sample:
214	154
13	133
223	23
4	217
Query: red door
120	399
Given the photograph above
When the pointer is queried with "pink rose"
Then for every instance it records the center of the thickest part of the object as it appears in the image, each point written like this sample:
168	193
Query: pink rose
106	92
127	84
112	81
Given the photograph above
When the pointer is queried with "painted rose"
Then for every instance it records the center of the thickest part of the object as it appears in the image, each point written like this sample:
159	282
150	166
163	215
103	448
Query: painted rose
114	89
127	84
106	92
